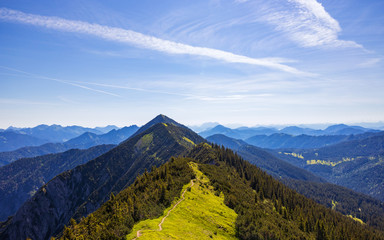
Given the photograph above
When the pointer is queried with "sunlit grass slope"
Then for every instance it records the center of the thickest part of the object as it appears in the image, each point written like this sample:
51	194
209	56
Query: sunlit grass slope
201	215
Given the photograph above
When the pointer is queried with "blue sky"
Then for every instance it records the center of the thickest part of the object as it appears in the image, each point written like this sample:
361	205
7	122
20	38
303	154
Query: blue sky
249	62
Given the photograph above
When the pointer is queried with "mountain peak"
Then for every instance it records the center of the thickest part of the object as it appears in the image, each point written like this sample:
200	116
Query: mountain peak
158	119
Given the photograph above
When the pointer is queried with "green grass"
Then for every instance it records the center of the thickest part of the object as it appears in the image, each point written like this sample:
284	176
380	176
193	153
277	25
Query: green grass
201	215
145	142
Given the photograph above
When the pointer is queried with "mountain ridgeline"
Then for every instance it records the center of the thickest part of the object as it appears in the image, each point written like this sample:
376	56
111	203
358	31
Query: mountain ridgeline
82	190
265	208
247	132
264	160
84	141
22	178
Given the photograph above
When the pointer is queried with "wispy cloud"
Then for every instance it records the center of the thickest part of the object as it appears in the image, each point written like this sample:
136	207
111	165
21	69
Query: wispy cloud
75	84
370	62
309	24
139	40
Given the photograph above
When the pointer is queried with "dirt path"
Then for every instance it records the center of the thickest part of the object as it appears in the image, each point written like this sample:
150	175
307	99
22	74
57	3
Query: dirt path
181	199
138	233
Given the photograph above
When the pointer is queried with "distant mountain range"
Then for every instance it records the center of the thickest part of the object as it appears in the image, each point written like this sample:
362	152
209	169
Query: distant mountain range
11	140
246	132
54	133
282	140
84	141
356	164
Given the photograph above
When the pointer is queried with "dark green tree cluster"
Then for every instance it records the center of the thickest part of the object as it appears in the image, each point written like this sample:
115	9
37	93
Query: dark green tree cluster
344	200
267	208
147	197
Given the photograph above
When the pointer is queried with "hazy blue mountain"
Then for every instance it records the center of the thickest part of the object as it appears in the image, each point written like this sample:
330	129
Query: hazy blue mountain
84	141
22	178
11	140
356	164
54	133
294	130
106	128
264	160
88	139
203	127
246	132
282	140
27	152
80	191
342	129
238	133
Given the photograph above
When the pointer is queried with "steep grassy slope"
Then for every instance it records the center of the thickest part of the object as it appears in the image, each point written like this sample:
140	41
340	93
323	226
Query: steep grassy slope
22	178
199	214
78	192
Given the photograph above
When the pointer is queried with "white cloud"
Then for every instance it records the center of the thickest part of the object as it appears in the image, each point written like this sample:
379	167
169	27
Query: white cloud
370	62
305	22
139	40
310	25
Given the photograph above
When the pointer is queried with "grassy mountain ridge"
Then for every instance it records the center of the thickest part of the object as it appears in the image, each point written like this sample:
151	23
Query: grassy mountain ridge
266	208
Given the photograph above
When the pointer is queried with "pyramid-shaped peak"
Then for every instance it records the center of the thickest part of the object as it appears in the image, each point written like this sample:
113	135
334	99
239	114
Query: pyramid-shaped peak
158	119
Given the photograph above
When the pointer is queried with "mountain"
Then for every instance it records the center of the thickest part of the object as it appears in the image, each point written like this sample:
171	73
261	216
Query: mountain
166	204
11	140
282	140
54	133
348	164
159	119
203	127
22	178
342	129
82	190
245	132
344	200
294	130
84	141
348	202
88	139
238	133
263	159
106	128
